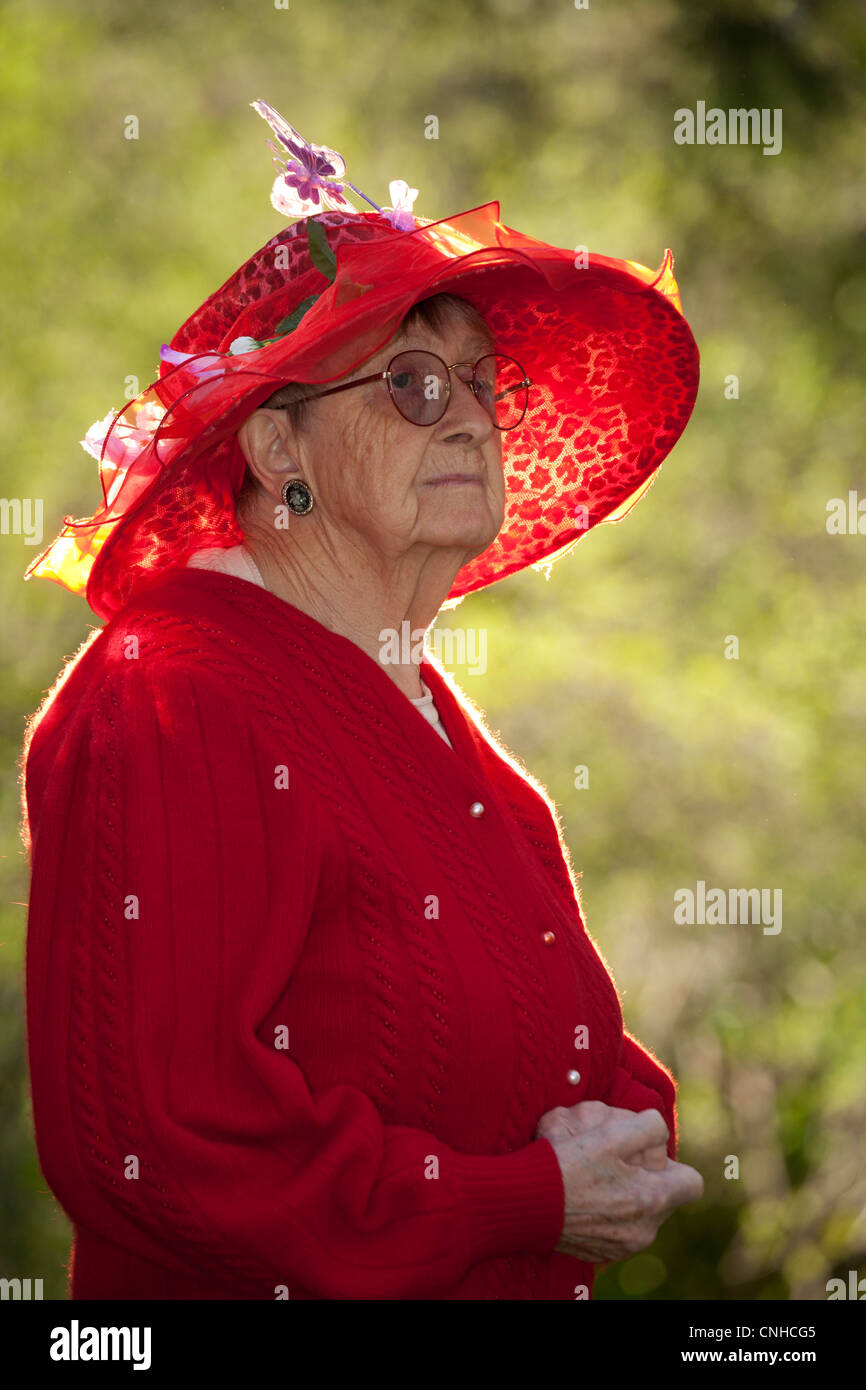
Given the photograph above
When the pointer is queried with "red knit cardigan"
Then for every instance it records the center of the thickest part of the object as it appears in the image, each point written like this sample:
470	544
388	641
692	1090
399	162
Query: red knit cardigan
301	979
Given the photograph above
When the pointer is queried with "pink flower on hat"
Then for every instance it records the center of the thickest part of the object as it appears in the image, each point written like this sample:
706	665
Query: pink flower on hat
120	435
95	437
402	196
123	439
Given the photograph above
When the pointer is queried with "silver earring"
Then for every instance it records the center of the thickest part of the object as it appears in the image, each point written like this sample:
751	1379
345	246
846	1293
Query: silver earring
297	496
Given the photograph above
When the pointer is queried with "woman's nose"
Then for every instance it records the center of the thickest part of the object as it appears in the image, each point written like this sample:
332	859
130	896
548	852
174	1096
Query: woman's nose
463	373
465	420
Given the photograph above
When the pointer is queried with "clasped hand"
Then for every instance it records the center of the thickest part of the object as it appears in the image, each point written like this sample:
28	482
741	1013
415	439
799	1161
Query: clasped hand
619	1183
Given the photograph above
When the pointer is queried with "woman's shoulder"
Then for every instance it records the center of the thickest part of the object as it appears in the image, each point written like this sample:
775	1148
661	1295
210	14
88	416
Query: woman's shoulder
170	638
183	614
159	666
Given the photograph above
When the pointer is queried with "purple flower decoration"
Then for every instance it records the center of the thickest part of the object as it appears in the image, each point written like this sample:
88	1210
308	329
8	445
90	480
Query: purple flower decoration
172	356
308	181
313	178
202	365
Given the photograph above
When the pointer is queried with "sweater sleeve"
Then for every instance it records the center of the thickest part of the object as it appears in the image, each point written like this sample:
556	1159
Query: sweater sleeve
174	881
642	1083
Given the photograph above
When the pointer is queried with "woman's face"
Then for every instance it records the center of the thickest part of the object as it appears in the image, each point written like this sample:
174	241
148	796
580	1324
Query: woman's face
393	485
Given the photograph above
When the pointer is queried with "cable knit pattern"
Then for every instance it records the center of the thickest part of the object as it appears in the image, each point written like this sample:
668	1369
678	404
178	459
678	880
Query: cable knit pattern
293	1010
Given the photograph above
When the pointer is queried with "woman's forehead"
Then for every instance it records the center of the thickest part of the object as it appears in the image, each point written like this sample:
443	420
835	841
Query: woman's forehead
468	339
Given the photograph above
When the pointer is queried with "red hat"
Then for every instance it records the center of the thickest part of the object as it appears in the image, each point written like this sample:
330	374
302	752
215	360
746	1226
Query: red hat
612	361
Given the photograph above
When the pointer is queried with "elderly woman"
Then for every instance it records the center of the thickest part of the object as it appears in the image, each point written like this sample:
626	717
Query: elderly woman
312	1009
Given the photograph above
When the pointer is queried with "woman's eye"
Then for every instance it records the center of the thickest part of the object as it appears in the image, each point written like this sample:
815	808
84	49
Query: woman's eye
401	381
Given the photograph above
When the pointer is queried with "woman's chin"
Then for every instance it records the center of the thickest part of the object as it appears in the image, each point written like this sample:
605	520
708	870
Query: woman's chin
471	539
472	528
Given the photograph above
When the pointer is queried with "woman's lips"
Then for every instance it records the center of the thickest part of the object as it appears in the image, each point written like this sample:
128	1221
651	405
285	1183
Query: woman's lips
452	478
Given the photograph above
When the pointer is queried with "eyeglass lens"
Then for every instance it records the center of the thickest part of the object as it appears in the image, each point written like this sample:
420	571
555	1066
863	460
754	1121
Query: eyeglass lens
420	387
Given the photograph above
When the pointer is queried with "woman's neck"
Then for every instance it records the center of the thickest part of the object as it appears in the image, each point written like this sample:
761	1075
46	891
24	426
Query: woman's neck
370	611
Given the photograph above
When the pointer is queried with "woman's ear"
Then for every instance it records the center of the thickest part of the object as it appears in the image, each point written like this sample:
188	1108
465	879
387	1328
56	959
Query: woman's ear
266	443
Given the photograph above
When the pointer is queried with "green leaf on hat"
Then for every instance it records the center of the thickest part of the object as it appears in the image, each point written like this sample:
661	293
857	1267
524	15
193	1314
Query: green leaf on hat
321	254
287	325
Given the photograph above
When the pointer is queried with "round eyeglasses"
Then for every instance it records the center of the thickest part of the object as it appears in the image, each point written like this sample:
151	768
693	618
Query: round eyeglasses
419	384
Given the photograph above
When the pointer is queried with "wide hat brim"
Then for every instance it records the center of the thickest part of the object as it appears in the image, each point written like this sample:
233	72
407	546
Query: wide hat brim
613	363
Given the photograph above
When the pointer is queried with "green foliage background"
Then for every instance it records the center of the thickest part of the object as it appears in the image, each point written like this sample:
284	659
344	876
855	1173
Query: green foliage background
742	772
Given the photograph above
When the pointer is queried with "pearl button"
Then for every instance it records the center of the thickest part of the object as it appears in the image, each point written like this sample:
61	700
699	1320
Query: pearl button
476	809
573	1078
548	938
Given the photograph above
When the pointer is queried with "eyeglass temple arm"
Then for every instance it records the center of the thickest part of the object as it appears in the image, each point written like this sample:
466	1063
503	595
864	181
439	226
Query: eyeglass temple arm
510	390
332	390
